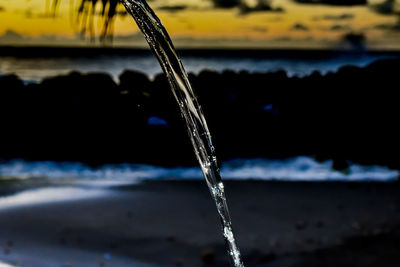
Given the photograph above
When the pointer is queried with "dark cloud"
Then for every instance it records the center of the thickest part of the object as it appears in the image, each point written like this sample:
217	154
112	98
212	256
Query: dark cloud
226	3
300	27
388	7
388	27
246	8
173	8
344	16
333	2
340	27
354	40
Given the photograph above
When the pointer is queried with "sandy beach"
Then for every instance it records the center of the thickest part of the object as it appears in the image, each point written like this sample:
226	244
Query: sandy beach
174	223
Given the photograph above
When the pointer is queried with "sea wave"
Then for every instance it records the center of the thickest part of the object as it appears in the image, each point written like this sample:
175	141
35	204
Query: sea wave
294	169
36	69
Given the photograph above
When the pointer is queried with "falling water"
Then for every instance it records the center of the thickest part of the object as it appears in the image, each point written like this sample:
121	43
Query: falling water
161	44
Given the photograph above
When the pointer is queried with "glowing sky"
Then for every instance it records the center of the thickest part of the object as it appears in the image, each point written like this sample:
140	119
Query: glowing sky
288	23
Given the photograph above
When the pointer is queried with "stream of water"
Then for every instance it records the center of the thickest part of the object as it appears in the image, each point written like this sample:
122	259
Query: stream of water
161	44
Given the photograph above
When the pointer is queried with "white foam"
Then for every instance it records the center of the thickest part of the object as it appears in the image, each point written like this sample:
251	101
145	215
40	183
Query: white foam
294	169
304	169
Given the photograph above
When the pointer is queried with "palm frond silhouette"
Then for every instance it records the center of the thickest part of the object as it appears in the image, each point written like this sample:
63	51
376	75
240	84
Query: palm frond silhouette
84	13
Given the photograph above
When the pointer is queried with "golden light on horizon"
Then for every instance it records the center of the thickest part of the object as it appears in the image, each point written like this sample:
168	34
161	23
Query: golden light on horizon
297	21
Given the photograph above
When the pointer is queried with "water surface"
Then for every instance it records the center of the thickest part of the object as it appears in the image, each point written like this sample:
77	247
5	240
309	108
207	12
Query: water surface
37	68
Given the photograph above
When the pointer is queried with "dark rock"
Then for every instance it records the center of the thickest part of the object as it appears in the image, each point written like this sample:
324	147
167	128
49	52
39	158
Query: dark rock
179	262
62	240
301	225
208	256
267	257
114	245
320	224
171	238
309	240
108	122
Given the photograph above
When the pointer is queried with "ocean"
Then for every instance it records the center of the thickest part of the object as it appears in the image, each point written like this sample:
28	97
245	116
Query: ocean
34	64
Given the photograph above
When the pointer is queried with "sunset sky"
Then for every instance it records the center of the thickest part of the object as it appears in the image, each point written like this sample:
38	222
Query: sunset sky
217	23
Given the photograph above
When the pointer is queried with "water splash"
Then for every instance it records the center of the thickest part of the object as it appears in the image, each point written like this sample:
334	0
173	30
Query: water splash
161	44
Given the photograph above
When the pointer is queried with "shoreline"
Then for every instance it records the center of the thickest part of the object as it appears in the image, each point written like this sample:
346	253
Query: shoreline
174	223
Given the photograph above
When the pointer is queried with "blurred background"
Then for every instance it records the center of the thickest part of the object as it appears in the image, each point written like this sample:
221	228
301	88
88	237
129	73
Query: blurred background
96	168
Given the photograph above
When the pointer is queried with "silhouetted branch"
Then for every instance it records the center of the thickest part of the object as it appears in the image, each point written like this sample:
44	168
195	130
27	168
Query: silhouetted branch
86	12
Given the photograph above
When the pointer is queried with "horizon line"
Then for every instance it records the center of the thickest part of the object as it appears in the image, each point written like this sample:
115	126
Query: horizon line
77	50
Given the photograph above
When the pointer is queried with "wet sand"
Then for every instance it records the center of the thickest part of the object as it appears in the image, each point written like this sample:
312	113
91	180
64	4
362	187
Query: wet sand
174	223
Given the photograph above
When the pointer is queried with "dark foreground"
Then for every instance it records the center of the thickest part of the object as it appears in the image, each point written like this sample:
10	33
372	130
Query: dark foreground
174	223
